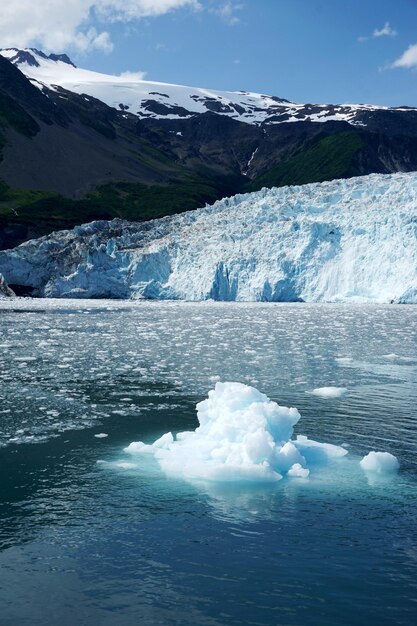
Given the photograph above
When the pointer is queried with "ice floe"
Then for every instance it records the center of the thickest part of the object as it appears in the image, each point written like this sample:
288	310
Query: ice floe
329	392
380	463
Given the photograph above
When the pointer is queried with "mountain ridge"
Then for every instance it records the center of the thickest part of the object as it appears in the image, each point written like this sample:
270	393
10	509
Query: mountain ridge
67	158
130	93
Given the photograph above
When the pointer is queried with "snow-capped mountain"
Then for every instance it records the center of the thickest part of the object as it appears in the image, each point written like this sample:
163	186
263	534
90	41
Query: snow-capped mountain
345	240
77	146
155	100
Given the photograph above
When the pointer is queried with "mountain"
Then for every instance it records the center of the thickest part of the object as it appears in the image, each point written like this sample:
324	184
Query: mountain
162	101
77	146
345	240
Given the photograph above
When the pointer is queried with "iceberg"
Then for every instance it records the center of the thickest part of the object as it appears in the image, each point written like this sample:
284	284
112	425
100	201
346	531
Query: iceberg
349	240
329	392
242	436
380	463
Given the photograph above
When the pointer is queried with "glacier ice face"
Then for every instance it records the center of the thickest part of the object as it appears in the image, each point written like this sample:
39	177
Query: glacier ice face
242	436
5	291
345	240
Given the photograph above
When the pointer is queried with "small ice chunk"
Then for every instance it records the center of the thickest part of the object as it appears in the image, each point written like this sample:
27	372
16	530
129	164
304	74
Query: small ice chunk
329	392
125	465
318	453
138	447
164	441
298	471
101	435
380	463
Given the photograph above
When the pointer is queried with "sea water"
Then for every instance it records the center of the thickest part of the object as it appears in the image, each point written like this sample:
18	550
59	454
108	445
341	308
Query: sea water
89	535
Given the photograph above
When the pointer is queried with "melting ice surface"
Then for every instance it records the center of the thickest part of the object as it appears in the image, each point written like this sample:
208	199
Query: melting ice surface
242	436
329	392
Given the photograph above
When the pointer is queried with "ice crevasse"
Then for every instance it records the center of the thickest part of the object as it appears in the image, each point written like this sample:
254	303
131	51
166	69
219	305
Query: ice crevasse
344	240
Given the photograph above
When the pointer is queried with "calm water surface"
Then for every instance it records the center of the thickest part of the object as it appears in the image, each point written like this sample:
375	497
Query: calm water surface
86	540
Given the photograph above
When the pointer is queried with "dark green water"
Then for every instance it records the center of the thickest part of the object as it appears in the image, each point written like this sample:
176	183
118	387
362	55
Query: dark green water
87	540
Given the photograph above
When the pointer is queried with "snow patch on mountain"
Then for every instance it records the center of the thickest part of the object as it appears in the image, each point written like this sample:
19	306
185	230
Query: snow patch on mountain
345	240
155	100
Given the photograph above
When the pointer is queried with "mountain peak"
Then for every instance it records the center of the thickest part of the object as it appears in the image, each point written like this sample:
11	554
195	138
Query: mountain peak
61	57
150	100
33	56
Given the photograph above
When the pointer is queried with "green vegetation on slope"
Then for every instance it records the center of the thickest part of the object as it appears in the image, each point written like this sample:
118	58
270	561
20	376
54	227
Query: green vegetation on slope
40	212
328	159
44	212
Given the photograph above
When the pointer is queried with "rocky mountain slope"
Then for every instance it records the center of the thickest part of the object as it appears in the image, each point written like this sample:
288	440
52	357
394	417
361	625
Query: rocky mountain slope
77	146
345	240
154	100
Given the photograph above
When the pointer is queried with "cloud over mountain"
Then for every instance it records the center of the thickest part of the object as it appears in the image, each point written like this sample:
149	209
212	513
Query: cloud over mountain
60	24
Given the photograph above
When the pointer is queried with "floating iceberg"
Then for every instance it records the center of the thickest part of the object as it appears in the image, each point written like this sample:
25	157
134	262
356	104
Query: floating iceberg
329	392
380	463
242	436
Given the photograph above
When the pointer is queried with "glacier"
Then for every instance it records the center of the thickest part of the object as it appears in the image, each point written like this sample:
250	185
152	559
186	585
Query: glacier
5	291
346	240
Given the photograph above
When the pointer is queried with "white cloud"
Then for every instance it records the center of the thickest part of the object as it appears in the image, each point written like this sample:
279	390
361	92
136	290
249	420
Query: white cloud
132	77
385	31
408	59
56	25
91	40
227	12
127	10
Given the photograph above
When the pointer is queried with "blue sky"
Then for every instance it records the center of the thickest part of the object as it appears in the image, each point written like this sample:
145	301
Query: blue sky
304	50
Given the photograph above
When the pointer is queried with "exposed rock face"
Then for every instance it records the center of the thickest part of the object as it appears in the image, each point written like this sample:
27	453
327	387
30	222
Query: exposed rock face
147	99
341	241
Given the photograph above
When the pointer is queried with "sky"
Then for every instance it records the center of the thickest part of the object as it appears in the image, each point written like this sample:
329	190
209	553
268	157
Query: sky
336	51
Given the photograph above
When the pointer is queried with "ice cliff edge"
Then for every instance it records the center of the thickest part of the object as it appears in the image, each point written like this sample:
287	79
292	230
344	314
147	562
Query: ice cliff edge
344	240
5	291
